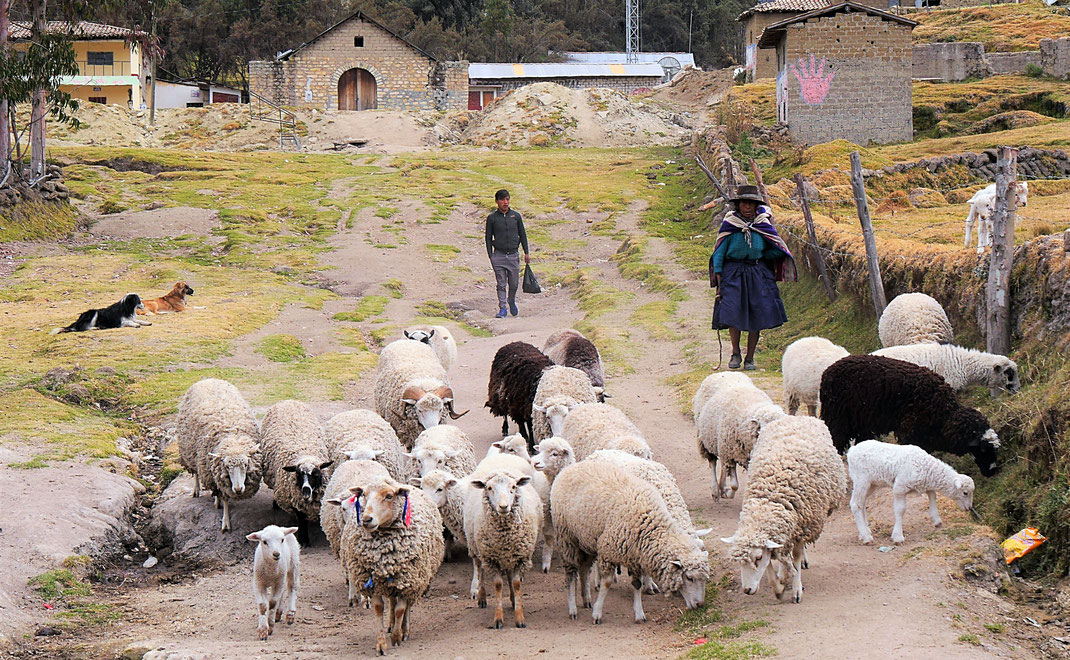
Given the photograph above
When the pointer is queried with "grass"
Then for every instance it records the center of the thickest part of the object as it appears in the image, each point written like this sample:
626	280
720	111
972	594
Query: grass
985	106
281	348
36	221
970	638
722	640
62	588
442	253
394	288
436	312
56	431
368	307
1001	28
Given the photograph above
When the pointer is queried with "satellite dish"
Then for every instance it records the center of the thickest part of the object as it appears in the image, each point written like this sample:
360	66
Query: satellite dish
671	67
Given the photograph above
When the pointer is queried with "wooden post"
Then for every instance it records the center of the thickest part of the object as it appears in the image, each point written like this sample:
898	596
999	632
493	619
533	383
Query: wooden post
1066	241
758	181
712	178
822	271
876	285
998	337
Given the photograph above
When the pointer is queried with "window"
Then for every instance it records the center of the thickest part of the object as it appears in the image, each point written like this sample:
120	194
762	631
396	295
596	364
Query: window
99	99
358	42
100	59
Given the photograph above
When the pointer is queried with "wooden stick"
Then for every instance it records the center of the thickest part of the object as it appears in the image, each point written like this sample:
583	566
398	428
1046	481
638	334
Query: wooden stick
819	259
761	184
998	337
712	178
876	284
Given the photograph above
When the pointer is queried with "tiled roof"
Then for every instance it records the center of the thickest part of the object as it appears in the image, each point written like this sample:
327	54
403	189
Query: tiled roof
82	30
772	33
786	6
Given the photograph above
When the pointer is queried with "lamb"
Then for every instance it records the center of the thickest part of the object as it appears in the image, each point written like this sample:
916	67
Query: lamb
218	442
412	392
962	368
905	469
796	480
727	430
445	492
560	390
363	434
603	513
863	396
514	379
276	576
553	455
914	318
595	426
802	365
295	458
569	348
439	339
392	549
983	206
502	521
515	445
711	384
445	448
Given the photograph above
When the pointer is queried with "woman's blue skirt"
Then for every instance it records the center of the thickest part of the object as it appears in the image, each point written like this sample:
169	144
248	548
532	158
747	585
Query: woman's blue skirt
748	298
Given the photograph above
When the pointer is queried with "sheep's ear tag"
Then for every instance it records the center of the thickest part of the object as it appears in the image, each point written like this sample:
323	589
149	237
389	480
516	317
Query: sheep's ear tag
355	501
407	512
368	584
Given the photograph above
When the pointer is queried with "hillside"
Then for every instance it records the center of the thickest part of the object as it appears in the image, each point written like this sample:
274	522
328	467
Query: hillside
1001	28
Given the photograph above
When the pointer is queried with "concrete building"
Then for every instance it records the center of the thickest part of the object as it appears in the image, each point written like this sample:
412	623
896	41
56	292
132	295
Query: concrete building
671	63
187	94
762	63
358	64
488	80
843	72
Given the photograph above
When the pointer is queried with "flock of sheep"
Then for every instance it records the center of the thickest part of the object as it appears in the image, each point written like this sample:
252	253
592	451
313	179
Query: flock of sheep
394	489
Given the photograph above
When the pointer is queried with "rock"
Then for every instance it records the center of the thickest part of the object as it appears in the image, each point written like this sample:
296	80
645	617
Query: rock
282	270
152	206
105	371
150	562
78	393
59	376
47	631
135	651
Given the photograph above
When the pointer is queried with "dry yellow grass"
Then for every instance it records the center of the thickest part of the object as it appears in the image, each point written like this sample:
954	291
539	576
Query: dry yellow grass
1006	27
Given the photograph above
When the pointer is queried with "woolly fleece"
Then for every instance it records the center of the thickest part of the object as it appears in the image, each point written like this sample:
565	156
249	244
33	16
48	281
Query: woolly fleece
802	365
357	428
592	426
962	368
290	435
914	318
562	386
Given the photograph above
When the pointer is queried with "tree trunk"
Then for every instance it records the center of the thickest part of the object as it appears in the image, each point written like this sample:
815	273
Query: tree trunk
5	128
40	102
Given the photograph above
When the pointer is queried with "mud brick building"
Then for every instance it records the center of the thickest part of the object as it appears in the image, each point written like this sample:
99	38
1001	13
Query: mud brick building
359	64
843	72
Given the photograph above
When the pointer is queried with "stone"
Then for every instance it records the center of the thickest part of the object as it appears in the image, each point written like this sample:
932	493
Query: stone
150	562
78	393
135	651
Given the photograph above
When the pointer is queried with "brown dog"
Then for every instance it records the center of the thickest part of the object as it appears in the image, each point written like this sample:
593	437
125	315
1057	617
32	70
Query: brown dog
175	301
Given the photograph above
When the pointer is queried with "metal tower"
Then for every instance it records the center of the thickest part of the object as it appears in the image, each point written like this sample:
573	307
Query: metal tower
631	30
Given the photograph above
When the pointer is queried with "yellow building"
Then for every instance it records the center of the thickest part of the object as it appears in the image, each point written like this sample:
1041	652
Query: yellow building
109	70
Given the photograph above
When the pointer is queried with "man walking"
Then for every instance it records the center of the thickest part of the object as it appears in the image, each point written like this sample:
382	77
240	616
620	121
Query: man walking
505	234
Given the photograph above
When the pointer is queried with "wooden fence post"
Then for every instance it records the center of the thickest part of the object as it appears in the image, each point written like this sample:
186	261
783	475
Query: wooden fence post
758	181
822	272
712	178
858	185
998	336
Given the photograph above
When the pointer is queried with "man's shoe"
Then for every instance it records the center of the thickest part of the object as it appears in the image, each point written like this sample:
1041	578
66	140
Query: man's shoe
736	360
501	314
512	309
749	365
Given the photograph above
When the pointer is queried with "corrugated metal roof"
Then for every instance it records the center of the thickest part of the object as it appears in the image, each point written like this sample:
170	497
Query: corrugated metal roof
786	6
495	70
621	57
79	30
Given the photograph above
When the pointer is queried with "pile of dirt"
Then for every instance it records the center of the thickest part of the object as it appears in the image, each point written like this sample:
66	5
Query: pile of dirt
695	88
548	114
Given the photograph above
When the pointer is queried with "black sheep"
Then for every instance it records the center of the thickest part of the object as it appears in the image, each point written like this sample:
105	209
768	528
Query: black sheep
514	377
863	396
569	348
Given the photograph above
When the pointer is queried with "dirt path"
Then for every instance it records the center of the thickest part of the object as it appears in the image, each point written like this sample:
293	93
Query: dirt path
860	602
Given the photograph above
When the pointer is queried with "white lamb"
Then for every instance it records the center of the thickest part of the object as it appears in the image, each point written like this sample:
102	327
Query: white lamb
363	434
710	385
962	368
443	448
595	426
560	390
445	492
982	207
905	469
802	365
728	428
914	318
439	339
412	391
276	576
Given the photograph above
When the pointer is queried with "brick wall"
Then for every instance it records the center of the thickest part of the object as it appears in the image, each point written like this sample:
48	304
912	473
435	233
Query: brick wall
405	79
625	84
868	99
765	58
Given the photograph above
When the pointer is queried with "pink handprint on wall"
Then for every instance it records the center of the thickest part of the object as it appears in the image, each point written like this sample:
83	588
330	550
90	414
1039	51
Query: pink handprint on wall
813	83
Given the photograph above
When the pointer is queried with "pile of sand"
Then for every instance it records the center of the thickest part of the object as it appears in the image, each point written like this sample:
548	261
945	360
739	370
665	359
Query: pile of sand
547	114
695	88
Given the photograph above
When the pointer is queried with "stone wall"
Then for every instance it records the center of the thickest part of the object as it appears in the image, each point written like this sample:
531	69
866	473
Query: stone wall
625	84
1032	164
405	78
1055	57
863	62
952	62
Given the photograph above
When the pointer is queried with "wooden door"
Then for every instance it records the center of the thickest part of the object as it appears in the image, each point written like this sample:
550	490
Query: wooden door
347	90
357	91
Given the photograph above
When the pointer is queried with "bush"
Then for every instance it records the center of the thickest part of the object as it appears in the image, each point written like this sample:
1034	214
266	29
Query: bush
1033	71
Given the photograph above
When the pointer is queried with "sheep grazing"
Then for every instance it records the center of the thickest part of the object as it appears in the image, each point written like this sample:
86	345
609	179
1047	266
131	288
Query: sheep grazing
412	392
295	458
983	206
595	426
276	576
796	480
802	365
502	520
218	442
962	368
711	384
864	396
443	448
727	430
914	318
514	379
603	513
569	348
560	390
439	339
905	469
391	550
363	434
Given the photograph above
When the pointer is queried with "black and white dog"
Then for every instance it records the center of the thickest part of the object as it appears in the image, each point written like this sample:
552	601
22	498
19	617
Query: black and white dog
120	315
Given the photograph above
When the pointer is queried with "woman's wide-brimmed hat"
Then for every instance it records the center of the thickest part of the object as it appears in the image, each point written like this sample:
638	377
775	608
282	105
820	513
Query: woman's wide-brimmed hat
748	192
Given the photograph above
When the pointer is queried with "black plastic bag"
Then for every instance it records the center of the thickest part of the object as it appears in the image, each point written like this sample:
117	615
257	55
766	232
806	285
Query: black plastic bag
531	285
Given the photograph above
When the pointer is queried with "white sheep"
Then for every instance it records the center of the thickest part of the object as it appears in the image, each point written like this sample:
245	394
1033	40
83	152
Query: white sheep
603	513
502	521
515	445
443	448
873	464
334	512
412	391
560	390
593	426
711	384
445	492
914	318
295	460
569	348
796	480
218	441
553	455
276	576
982	208
439	339
961	367
728	427
363	434
802	365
